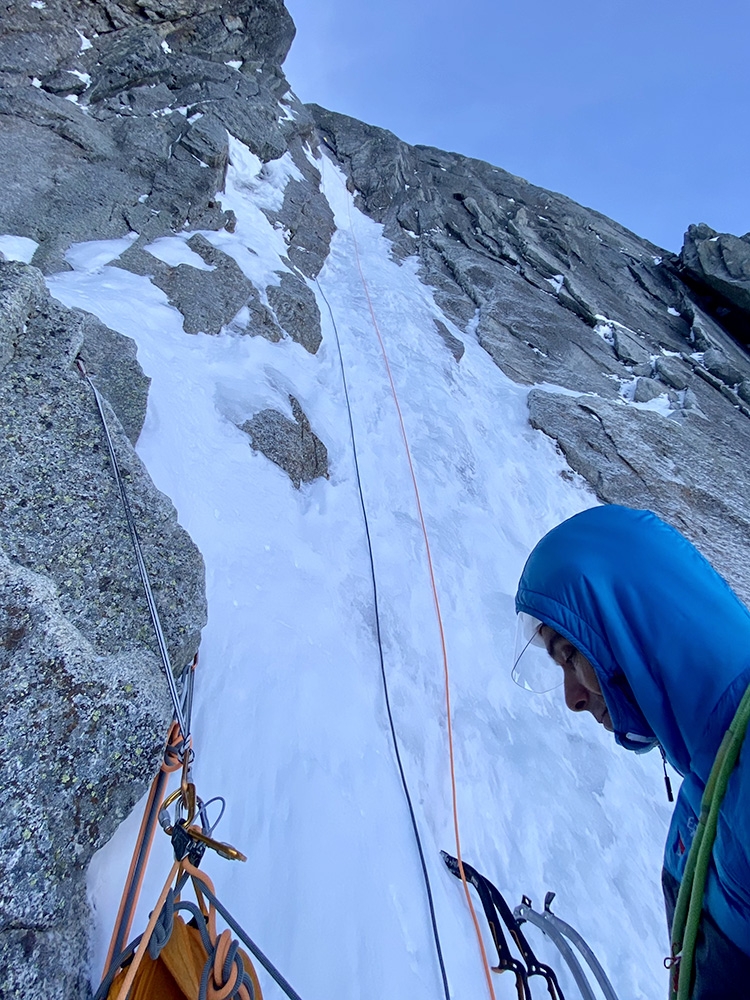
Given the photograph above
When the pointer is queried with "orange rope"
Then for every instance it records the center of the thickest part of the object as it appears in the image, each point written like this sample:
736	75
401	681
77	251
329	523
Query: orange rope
218	989
144	841
142	848
143	946
436	600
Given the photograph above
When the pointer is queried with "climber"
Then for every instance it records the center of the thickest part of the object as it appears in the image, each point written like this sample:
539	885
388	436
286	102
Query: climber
656	646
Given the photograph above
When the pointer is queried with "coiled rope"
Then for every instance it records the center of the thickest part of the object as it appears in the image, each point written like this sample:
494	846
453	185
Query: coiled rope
224	975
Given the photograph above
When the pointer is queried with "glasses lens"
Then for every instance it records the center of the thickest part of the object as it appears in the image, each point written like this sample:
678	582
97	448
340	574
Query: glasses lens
533	668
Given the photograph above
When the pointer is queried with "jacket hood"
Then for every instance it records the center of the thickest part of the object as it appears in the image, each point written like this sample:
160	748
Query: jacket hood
668	639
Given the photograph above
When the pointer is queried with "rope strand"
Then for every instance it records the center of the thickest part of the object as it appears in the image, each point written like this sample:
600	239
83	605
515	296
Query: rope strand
153	611
438	615
384	677
436	602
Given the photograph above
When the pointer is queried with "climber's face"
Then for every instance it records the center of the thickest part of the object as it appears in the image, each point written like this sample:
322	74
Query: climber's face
583	692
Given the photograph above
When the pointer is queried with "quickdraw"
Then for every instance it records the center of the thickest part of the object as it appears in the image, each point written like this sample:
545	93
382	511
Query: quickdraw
189	840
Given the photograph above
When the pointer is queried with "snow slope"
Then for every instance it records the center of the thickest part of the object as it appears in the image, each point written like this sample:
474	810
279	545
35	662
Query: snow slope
290	723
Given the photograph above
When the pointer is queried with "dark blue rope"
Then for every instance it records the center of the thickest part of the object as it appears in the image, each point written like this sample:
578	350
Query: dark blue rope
404	784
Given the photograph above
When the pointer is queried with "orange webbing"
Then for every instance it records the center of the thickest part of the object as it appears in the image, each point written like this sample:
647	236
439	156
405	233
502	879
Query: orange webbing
436	600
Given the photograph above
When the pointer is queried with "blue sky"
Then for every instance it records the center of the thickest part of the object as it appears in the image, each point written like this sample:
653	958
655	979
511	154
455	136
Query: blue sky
639	109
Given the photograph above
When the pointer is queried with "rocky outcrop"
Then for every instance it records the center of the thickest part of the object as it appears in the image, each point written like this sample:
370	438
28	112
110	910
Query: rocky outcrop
111	359
160	83
454	345
717	265
290	444
208	297
81	732
305	213
257	320
85	700
681	468
296	311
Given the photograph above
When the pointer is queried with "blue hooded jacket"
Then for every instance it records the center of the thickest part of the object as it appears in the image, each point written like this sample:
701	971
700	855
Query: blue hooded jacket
670	644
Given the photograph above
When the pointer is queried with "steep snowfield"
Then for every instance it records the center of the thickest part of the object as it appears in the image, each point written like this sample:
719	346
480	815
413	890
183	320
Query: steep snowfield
290	724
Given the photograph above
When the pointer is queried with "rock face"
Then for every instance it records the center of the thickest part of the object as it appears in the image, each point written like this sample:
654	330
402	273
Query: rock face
209	298
290	444
654	405
161	83
717	265
454	345
694	484
296	311
80	678
115	121
541	271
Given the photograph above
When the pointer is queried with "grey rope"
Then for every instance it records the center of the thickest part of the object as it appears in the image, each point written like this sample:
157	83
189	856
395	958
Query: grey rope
166	919
174	694
106	984
186	700
163	927
251	946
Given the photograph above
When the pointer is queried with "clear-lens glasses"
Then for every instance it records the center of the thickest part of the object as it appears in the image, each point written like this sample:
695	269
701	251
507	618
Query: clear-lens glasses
533	667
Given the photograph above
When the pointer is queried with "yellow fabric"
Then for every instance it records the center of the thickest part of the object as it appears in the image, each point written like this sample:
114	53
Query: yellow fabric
176	973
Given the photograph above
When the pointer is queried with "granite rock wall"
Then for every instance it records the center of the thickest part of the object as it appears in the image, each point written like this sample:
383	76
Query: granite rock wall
116	120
